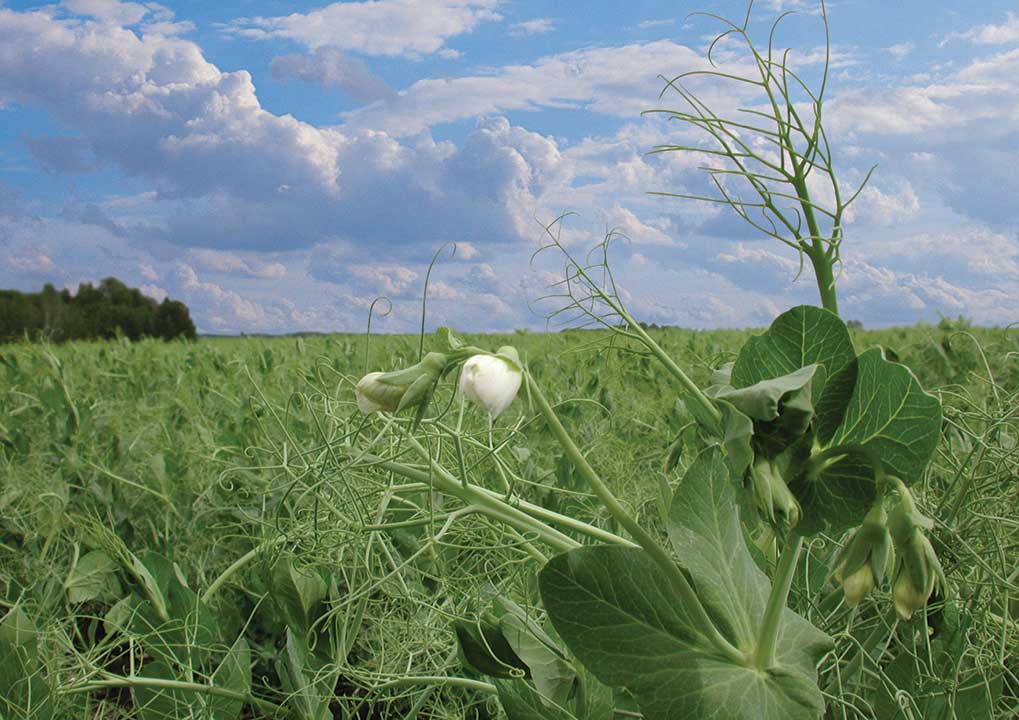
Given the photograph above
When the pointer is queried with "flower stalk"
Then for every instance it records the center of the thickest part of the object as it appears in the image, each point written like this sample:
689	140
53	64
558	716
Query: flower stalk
689	597
764	657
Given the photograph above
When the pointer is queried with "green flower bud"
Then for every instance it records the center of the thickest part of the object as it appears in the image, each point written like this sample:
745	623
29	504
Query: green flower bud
917	573
917	569
865	557
772	496
392	391
858	585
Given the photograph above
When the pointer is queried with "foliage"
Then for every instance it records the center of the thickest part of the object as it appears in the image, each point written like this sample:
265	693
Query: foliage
92	312
268	529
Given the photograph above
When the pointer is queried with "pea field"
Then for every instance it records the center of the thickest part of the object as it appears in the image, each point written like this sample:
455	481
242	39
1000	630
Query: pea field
213	530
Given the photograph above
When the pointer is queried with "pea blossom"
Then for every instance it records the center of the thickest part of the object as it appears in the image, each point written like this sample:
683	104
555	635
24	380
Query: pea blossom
863	563
392	391
492	381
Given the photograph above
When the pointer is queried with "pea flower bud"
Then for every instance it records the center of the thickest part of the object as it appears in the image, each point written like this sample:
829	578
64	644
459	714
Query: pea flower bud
392	391
863	563
772	496
492	381
917	569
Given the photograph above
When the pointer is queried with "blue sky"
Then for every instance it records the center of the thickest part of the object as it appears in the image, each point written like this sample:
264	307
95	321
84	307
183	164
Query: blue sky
279	165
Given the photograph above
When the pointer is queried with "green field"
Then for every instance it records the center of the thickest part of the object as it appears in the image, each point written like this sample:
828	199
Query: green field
133	475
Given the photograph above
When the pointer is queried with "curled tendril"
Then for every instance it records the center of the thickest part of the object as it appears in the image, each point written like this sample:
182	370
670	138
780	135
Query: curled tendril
424	294
368	330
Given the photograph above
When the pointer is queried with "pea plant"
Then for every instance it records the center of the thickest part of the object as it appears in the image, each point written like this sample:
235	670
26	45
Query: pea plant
800	437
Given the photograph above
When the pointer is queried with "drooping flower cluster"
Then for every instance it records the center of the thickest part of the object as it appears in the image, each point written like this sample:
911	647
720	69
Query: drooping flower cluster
897	536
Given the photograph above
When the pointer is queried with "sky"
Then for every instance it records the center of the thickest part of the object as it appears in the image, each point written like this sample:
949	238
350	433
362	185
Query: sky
279	165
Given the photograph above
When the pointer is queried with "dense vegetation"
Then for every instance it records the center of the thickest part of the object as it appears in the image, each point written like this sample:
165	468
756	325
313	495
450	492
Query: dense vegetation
136	471
91	313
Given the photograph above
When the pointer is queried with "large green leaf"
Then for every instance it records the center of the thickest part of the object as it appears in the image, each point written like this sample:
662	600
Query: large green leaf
889	415
804	335
24	690
190	629
297	593
705	531
484	647
552	675
626	623
154	703
781	408
309	690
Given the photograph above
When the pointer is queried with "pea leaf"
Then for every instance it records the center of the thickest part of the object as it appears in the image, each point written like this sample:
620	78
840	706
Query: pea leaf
626	623
891	414
233	673
484	648
25	689
308	690
94	577
737	431
553	677
153	703
521	701
297	594
804	335
781	408
446	340
168	618
887	413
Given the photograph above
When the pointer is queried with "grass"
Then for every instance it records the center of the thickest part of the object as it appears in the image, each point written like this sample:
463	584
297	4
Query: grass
226	458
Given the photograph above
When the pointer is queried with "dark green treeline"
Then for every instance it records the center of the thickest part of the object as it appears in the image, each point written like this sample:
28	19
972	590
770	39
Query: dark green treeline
92	312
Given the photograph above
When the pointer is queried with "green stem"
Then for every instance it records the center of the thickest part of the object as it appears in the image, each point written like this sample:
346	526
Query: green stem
863	652
817	253
825	278
478	685
535	511
448	483
162	684
234	567
780	584
566	521
689	598
677	372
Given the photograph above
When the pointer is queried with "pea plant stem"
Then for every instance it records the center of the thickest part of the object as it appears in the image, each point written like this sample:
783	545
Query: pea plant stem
650	545
825	278
677	372
531	509
235	566
115	681
634	329
566	521
450	484
766	642
468	683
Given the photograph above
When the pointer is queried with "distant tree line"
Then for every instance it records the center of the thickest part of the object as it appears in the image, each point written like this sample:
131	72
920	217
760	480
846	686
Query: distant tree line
92	312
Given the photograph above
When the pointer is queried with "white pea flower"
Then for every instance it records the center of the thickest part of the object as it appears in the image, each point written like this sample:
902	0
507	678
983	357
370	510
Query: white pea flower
492	381
361	391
